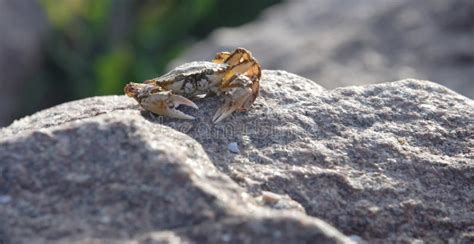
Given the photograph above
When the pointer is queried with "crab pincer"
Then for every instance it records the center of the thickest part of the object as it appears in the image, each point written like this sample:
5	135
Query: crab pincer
159	102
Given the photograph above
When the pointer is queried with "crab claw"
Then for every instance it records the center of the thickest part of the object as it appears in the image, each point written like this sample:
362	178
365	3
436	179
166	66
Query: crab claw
165	103
239	97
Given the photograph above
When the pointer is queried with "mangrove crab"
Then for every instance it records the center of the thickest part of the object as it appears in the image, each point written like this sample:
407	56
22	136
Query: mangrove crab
234	76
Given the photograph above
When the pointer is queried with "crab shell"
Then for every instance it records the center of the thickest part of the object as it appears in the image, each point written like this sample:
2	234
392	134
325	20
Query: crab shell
192	79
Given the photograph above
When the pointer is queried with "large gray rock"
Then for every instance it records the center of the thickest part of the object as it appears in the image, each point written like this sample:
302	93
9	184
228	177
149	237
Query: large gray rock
341	43
381	163
97	170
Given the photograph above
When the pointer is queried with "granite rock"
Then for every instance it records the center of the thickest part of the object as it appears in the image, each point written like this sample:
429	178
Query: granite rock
390	162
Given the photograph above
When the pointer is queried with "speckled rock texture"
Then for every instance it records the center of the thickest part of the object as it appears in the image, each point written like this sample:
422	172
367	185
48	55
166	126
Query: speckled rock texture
341	43
390	162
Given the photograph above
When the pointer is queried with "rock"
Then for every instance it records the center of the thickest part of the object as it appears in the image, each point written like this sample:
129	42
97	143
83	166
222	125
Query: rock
278	201
4	199
389	162
233	147
341	43
97	170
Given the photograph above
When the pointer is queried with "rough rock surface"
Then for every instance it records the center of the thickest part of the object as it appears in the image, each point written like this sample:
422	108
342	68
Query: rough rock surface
340	42
386	162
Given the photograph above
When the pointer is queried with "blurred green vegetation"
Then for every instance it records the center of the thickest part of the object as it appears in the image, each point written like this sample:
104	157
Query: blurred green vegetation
96	46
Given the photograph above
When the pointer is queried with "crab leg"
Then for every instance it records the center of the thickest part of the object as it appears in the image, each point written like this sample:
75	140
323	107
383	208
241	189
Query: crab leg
221	57
238	97
165	103
238	56
237	69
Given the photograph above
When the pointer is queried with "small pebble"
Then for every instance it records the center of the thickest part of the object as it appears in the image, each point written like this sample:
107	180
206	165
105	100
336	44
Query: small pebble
270	197
4	199
233	147
357	239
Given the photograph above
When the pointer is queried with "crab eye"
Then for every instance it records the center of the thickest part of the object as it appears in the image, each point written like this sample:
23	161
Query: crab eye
130	90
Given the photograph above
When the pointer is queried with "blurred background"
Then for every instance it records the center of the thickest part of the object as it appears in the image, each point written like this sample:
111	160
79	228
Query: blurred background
53	51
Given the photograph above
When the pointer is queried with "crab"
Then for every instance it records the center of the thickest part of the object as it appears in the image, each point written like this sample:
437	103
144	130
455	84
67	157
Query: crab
234	76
